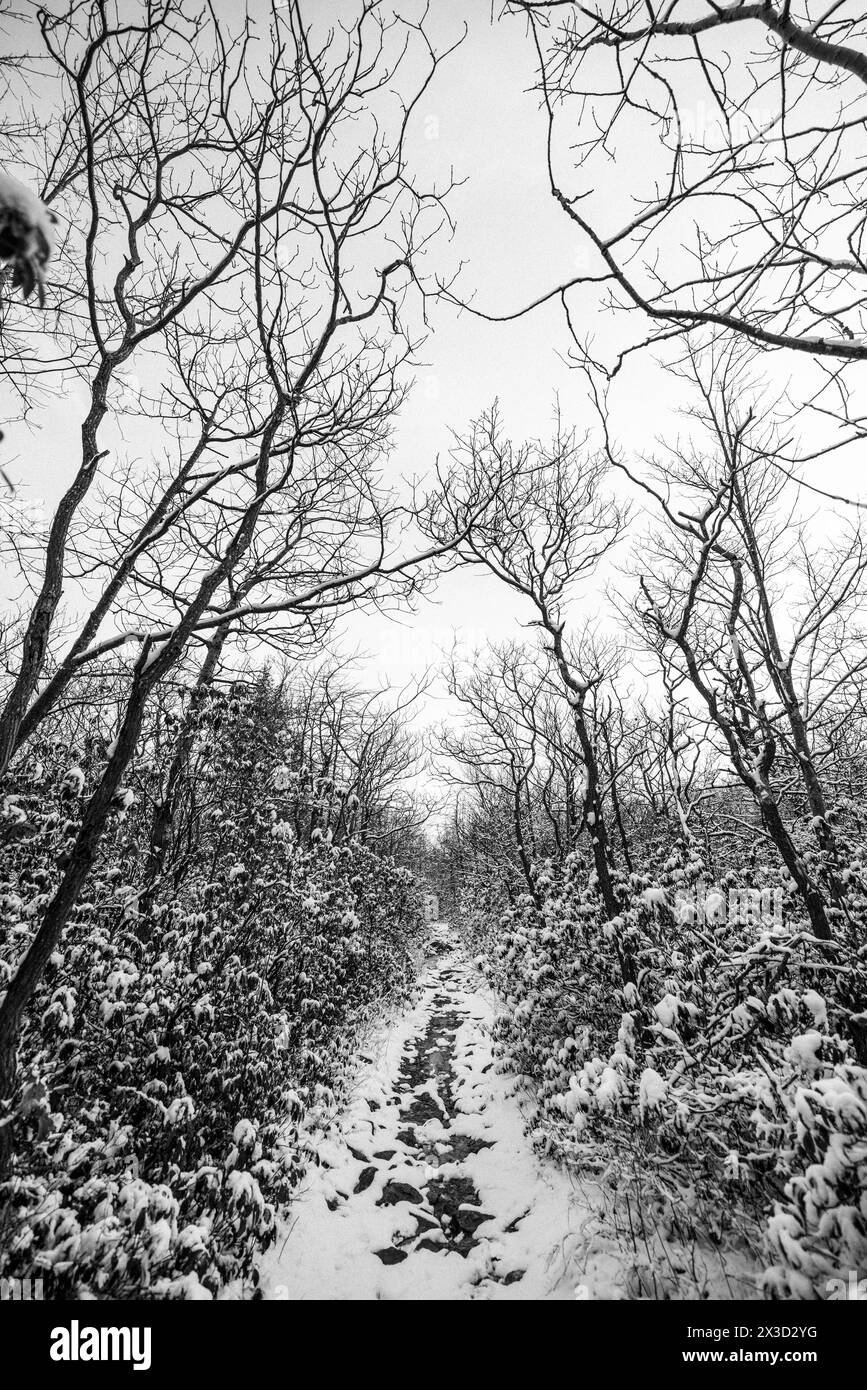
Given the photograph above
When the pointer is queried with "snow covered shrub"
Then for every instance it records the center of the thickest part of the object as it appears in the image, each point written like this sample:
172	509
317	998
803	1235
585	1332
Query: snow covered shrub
540	962
197	1017
692	1047
818	1232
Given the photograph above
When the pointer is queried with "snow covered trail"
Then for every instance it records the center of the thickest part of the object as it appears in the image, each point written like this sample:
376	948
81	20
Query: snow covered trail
429	1188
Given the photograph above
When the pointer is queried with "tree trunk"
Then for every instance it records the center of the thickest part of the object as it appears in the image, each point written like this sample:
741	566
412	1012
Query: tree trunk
773	823
164	812
30	970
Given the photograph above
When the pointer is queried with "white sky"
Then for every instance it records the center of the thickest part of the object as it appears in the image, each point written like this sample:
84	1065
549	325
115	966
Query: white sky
481	121
515	244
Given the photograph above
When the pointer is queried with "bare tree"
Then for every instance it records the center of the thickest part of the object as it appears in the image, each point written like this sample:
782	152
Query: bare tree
548	527
179	183
234	197
499	750
740	126
720	604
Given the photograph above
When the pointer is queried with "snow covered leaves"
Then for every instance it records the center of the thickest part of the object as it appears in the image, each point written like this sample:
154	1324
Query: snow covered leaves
728	1059
26	236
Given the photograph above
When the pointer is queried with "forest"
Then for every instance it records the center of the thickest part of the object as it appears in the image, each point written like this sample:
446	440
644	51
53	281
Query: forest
230	237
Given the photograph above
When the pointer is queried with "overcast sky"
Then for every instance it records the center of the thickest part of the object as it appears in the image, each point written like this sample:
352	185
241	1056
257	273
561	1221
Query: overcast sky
480	120
515	244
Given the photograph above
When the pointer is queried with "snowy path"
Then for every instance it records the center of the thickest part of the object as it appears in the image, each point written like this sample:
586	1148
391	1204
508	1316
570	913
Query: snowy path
430	1188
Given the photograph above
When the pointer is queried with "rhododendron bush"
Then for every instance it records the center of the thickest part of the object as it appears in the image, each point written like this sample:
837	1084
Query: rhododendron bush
719	1087
192	1027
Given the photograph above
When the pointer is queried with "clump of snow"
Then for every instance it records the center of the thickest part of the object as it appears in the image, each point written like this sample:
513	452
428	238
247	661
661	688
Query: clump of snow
244	1134
73	781
817	1006
667	1010
803	1052
652	1090
26	236
655	898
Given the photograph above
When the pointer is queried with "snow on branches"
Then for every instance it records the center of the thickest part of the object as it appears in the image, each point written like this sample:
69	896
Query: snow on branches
26	236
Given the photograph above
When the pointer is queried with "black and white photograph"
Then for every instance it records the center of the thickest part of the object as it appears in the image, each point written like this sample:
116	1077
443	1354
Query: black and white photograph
433	672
